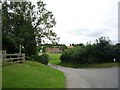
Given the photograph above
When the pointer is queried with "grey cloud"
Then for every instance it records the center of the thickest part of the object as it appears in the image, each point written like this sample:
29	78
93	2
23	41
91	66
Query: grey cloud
88	32
83	31
95	34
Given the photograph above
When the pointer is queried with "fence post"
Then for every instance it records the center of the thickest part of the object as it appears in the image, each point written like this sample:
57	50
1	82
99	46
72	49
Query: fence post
10	59
19	56
4	54
23	57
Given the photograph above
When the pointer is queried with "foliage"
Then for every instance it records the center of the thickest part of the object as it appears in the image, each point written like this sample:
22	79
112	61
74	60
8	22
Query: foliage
9	45
63	47
27	25
44	58
102	51
80	44
66	56
117	52
75	55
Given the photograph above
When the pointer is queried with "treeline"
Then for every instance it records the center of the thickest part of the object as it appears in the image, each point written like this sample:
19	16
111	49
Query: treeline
101	51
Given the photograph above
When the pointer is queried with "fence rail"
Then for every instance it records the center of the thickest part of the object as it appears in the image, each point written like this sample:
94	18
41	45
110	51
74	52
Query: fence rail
12	58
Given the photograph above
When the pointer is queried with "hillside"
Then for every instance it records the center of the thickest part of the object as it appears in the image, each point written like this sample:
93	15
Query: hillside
32	74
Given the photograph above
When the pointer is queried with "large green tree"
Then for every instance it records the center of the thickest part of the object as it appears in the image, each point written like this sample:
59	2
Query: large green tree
26	24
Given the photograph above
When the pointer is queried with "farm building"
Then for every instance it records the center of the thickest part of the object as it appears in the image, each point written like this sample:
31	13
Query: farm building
53	50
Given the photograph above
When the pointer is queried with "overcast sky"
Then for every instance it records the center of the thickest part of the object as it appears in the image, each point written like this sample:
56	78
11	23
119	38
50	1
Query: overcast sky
81	21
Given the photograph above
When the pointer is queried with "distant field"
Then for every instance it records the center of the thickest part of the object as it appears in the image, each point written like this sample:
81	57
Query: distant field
57	62
54	56
32	75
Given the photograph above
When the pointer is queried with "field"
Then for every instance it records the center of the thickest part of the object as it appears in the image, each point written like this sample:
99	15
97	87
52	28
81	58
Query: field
32	74
54	56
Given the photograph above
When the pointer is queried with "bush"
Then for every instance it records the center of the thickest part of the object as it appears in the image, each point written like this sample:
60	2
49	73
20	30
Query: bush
75	55
66	56
100	52
44	58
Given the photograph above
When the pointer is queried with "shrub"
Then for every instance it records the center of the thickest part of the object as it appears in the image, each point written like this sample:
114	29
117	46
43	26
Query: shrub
75	55
66	56
44	58
100	52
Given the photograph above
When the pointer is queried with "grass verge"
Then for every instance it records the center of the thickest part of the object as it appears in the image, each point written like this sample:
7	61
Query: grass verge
101	65
71	65
32	74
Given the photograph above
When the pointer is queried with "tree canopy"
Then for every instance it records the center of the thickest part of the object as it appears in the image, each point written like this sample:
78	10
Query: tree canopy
27	25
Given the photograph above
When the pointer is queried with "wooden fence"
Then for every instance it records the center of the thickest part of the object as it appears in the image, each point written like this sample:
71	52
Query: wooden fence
12	58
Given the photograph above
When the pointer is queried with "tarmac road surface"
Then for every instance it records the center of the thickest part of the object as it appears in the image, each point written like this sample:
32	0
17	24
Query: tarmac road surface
90	78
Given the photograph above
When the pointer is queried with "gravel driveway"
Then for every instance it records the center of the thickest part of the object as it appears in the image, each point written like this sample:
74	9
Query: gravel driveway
90	78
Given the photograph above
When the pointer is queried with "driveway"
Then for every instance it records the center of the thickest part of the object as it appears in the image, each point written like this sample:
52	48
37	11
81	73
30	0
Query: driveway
90	78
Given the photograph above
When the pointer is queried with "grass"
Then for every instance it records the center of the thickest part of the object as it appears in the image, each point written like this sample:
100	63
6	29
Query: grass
101	65
54	56
57	62
71	65
32	74
0	77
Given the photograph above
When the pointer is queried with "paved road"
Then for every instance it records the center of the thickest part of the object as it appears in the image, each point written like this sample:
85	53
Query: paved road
90	78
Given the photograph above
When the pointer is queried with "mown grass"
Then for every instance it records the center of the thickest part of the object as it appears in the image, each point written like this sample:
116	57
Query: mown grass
73	65
101	65
31	74
54	56
57	62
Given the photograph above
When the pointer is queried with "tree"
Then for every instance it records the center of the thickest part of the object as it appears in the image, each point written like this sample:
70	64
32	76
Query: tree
63	47
117	52
27	25
44	22
104	50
